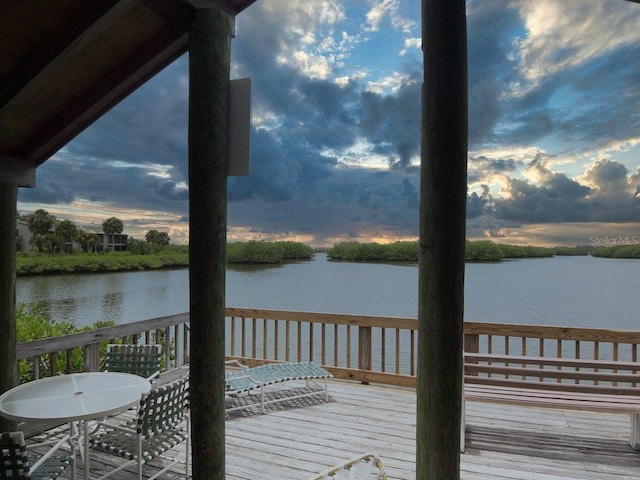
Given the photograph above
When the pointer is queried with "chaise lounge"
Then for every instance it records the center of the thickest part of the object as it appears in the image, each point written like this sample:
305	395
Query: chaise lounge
248	379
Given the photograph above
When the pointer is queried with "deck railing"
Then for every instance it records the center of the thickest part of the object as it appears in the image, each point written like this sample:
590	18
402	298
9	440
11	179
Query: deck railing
42	355
363	348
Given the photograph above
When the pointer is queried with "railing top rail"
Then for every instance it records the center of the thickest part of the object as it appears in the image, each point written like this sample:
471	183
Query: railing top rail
402	323
553	332
56	344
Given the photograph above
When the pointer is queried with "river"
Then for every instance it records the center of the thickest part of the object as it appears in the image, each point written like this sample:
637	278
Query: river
567	291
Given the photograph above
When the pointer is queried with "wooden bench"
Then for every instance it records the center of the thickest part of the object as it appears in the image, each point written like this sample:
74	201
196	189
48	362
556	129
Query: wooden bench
561	383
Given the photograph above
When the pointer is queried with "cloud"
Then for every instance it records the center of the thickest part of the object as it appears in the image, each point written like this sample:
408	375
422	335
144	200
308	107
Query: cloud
335	146
607	194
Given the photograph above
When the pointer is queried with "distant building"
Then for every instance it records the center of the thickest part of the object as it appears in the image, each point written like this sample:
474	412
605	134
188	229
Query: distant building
108	242
24	236
116	242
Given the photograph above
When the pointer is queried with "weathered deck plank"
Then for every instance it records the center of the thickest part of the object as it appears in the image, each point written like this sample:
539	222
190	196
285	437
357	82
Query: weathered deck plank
294	440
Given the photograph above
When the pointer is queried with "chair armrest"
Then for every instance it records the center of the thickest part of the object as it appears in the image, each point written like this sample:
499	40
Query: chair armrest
49	453
115	426
234	363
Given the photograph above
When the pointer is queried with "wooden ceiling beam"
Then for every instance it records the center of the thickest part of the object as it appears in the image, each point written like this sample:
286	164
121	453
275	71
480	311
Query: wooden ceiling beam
232	6
122	80
17	171
37	67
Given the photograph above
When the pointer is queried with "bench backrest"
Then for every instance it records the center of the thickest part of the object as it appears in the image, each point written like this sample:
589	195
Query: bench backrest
588	376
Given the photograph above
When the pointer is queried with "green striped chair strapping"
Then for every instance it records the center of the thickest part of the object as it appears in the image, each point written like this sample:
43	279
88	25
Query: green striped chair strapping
18	463
256	378
161	423
142	360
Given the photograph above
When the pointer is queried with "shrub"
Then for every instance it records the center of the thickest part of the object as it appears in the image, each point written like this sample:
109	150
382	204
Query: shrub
32	324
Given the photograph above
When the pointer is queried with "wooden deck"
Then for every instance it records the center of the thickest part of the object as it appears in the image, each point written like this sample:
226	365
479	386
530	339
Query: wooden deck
296	439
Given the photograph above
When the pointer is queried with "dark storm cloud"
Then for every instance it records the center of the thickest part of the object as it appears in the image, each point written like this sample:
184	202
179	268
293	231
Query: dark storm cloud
392	122
480	168
582	106
130	185
148	127
277	173
557	198
479	204
320	113
593	98
50	189
491	69
615	196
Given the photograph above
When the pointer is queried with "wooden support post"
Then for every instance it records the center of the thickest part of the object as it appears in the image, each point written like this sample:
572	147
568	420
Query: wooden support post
209	69
442	239
365	355
8	369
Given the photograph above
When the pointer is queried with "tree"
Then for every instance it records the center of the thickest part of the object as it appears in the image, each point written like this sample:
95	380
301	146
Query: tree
68	232
40	224
157	238
138	247
88	240
111	226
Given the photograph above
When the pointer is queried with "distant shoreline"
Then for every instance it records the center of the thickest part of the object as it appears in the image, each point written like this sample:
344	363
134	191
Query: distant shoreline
399	252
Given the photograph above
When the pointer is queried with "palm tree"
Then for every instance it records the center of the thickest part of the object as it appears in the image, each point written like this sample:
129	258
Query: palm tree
157	238
112	226
40	223
68	231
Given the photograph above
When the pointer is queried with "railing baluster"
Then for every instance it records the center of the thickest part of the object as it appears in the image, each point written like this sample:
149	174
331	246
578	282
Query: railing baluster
397	350
265	339
36	367
299	357
254	322
276	335
323	344
559	354
412	334
244	337
287	340
348	346
383	349
577	356
335	345
311	342
68	358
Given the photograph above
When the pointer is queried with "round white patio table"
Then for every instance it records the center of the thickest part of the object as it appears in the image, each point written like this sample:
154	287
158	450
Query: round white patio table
73	398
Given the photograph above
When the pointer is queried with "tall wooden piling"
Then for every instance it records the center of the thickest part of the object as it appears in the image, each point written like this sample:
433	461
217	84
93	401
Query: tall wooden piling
442	239
209	70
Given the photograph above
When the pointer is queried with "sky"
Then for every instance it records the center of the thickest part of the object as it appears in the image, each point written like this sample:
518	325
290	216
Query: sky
554	129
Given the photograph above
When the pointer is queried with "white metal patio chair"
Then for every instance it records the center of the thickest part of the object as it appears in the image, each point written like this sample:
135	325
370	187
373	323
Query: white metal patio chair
142	360
363	467
17	462
248	379
161	423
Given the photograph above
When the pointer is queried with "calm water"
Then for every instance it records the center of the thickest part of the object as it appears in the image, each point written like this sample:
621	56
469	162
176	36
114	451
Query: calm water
568	291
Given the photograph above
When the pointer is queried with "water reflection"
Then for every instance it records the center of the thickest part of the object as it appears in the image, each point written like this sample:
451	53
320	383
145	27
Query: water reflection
565	291
119	297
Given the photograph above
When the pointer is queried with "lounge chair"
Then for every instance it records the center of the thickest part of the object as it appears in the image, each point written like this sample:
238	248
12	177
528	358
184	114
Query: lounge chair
248	379
364	467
